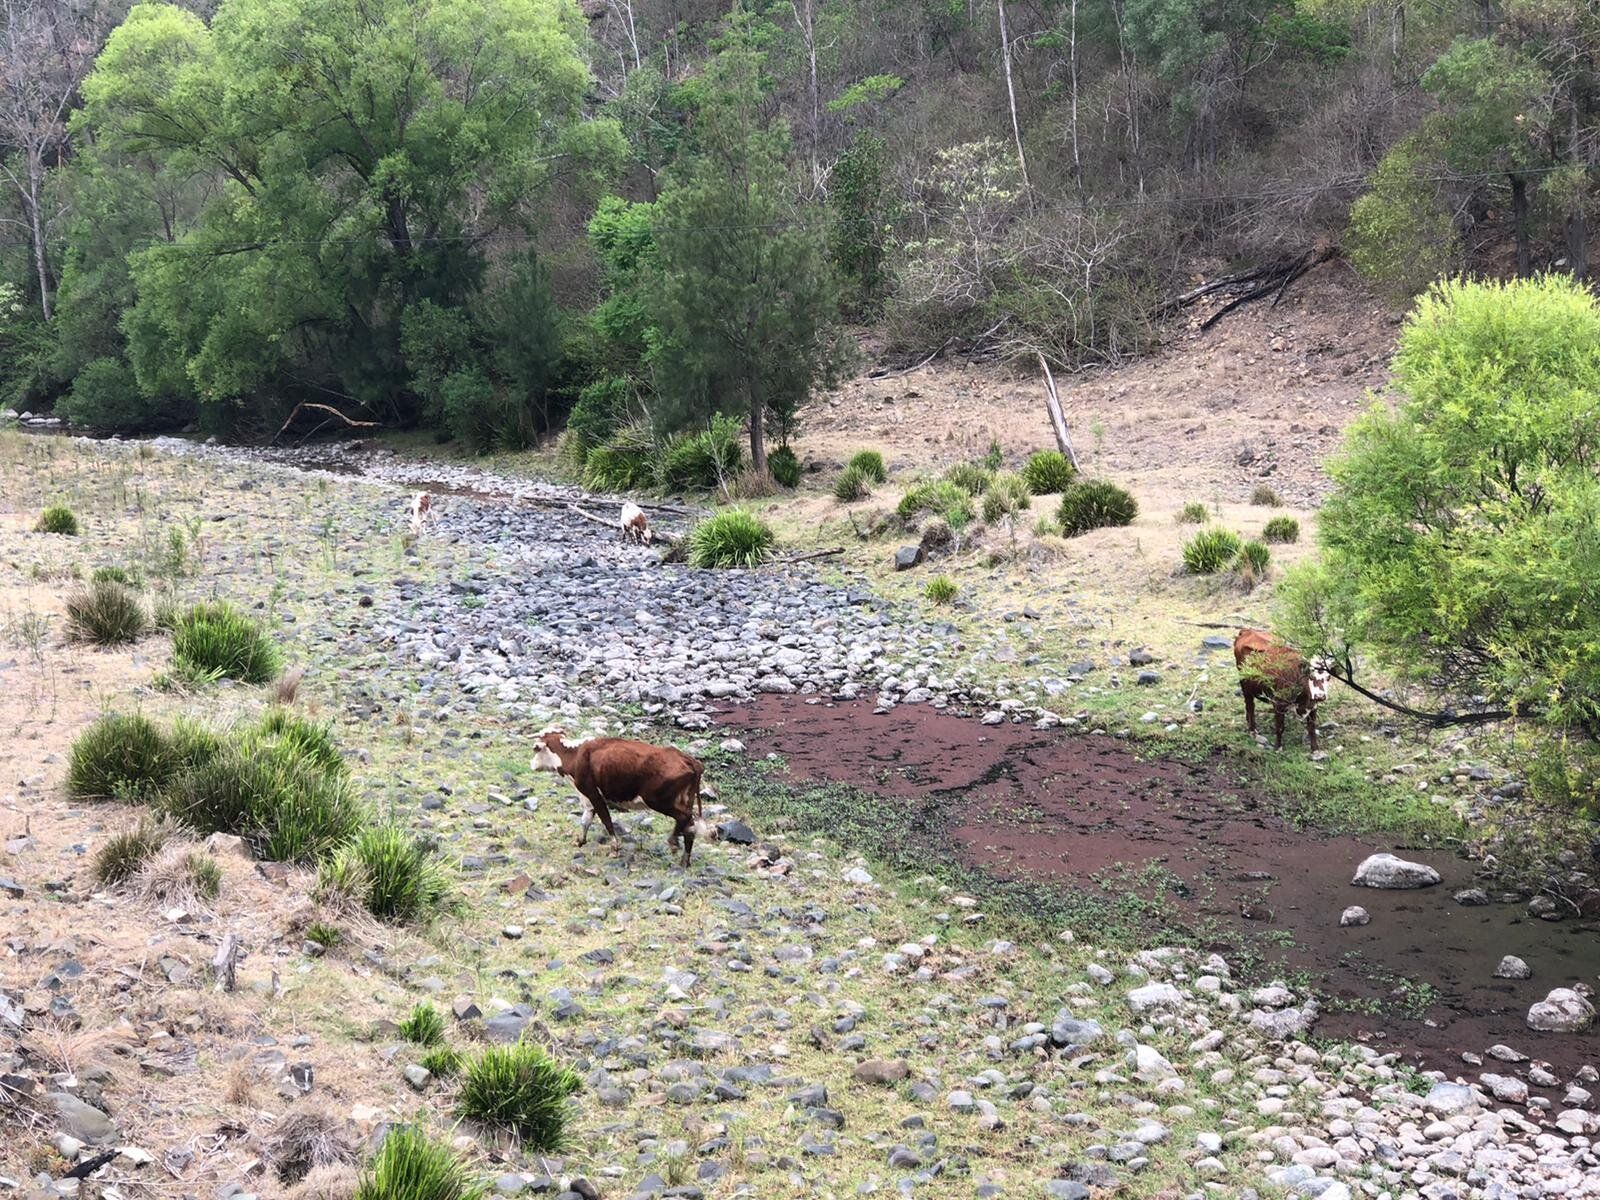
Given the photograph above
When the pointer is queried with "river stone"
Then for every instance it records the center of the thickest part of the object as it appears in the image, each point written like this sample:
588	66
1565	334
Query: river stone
1512	967
1562	1011
884	1071
82	1120
1387	871
1150	1065
1355	915
1067	1030
907	557
1472	897
1448	1099
1154	995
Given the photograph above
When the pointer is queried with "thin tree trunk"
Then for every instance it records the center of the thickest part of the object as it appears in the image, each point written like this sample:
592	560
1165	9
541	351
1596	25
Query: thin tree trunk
1577	223
633	35
1519	217
808	29
34	204
1077	162
758	434
1011	95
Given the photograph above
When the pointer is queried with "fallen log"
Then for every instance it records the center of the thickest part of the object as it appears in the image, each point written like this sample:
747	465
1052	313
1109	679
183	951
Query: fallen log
1274	279
800	558
658	534
327	408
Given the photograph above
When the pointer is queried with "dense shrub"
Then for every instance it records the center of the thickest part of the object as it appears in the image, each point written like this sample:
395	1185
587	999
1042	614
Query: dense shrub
123	756
387	870
522	1090
1094	504
941	589
1210	551
411	1166
58	518
105	395
1047	472
943	498
870	464
970	478
215	640
1266	496
731	538
1281	529
851	484
597	414
123	854
1459	544
1253	562
703	459
627	462
1193	513
106	614
784	466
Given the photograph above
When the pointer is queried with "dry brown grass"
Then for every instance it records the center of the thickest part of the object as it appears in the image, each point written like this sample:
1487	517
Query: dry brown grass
307	1139
287	688
337	1182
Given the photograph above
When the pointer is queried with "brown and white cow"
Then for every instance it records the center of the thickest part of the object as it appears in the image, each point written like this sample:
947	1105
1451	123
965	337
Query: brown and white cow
1279	674
615	773
421	510
635	525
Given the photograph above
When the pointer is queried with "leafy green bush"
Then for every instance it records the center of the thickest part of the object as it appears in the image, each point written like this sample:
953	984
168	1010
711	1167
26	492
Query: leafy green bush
215	640
424	1026
122	756
703	459
970	478
628	461
870	464
1459	542
388	871
1193	513
1266	496
1253	561
1210	551
411	1166
943	497
284	805
1007	496
106	396
784	466
1281	529
851	484
106	614
58	518
731	538
124	853
1047	472
522	1090
596	414
1094	504
941	589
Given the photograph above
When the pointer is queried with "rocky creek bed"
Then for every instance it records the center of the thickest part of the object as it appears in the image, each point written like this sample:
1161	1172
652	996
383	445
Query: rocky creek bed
1162	1055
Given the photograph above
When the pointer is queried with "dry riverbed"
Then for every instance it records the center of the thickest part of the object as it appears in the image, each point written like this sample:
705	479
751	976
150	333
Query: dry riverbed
790	1017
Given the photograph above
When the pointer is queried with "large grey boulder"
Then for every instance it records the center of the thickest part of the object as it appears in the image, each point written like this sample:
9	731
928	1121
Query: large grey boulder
1562	1011
1387	871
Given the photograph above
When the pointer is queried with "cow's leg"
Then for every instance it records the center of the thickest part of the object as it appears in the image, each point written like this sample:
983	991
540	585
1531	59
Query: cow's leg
1249	712
588	820
1277	726
1311	729
685	827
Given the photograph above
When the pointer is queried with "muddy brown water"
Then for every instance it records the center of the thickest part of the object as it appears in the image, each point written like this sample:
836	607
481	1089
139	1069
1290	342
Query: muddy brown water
1087	812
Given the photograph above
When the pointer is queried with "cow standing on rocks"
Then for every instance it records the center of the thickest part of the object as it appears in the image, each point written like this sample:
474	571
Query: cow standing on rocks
1280	674
617	773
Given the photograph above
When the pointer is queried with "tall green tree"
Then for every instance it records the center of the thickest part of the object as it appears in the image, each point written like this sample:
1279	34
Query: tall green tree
746	307
364	154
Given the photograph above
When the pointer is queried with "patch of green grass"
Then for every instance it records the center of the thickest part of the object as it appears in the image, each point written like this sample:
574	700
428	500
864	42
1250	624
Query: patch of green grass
58	518
215	639
1281	530
1253	562
731	538
1193	513
941	589
1047	472
1210	551
412	1166
323	934
120	756
122	854
424	1025
117	575
1007	496
869	463
310	740
1095	504
522	1090
943	497
105	613
205	874
970	478
389	871
443	1062
1047	527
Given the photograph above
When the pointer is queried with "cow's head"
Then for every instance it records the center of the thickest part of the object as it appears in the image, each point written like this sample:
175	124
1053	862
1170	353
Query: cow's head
545	756
1319	672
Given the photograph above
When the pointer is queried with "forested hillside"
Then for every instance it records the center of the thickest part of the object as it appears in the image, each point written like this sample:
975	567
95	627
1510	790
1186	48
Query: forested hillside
490	216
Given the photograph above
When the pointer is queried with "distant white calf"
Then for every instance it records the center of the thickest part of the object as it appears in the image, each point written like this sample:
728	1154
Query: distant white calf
421	509
635	526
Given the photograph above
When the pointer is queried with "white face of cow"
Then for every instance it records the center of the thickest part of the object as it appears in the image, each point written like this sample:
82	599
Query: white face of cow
1317	681
544	758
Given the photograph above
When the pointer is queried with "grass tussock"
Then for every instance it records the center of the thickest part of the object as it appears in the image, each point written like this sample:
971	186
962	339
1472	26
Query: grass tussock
1095	504
281	803
783	464
1193	513
1210	551
520	1090
851	485
123	855
1266	496
216	641
105	613
424	1025
731	538
971	478
412	1166
122	756
306	1139
869	464
180	878
1047	472
941	589
58	518
1281	530
943	498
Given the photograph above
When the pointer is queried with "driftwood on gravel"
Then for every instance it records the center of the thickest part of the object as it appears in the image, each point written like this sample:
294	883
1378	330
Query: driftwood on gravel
659	535
800	558
1273	279
327	408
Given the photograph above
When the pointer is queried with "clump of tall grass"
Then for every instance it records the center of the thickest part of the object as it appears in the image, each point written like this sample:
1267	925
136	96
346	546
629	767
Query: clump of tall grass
731	538
105	613
522	1090
215	640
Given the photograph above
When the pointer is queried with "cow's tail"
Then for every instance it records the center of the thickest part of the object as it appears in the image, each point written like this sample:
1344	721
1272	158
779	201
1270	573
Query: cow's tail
702	827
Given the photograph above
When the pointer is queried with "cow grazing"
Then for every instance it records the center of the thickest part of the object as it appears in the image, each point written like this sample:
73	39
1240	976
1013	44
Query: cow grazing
635	525
1280	674
615	773
421	510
